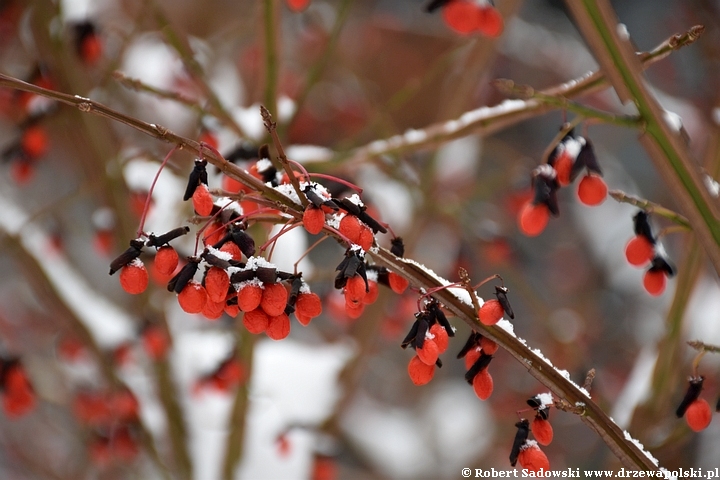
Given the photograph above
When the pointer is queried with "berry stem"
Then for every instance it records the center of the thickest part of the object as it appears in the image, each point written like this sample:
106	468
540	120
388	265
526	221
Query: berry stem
318	242
338	180
650	207
141	227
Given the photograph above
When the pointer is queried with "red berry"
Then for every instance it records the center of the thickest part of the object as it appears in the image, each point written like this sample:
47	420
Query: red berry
202	200
232	249
249	297
488	346
351	227
471	357
213	310
231	310
193	297
166	260
124	405
397	283
429	352
355	290
18	397
441	337
542	430
155	342
654	282
461	16
274	299
354	310
489	22
308	305
592	190
366	238
483	384
372	293
533	219
563	166
698	415
313	219
278	327
34	141
639	251
213	234
256	321
297	5
217	283
134	277
91	49
420	373
491	312
533	459
303	320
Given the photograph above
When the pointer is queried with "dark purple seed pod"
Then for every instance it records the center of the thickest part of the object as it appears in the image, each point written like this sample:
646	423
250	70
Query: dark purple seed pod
440	317
480	364
641	226
472	342
166	238
178	282
197	176
410	337
266	274
545	186
423	326
127	256
693	392
242	276
435	4
501	294
521	436
586	158
397	247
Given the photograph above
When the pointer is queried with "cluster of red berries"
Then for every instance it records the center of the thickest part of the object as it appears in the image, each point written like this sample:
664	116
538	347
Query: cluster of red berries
429	336
696	410
643	250
567	160
18	396
469	16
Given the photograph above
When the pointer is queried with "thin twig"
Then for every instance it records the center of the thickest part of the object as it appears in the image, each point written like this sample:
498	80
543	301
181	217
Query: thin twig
651	207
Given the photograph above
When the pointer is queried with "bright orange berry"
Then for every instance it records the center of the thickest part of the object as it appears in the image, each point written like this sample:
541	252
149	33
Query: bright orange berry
34	141
639	251
274	299
483	384
297	5
366	238
488	346
213	310
166	260
351	227
193	297
698	415
471	357
397	283
542	430
217	283
533	219
489	22
533	459
372	293
355	290
654	282
202	200
134	277
308	305
420	373
441	337
592	190
563	165
249	297
313	219
278	327
461	16
256	321
429	352
490	312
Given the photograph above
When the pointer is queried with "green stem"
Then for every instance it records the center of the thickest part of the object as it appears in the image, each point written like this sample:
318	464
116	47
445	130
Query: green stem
271	55
651	207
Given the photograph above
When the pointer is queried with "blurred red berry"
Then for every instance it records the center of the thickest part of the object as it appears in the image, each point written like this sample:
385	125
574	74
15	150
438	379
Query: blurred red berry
698	415
592	190
639	251
532	219
654	282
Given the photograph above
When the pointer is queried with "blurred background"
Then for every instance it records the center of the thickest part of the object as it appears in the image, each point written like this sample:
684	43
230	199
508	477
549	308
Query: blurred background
334	399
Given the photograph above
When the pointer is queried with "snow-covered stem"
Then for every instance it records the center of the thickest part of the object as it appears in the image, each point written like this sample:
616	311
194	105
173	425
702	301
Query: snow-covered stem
492	119
526	92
